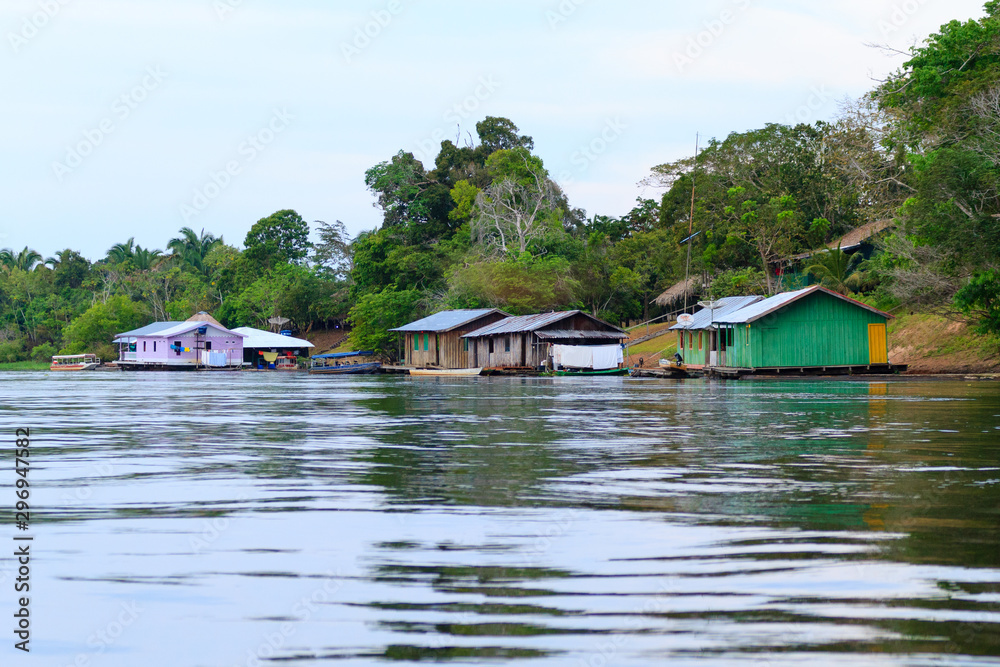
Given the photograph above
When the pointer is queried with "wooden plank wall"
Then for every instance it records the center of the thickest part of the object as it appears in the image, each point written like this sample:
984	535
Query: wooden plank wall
817	331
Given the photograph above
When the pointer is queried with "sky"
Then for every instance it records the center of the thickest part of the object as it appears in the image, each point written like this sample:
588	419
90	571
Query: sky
135	118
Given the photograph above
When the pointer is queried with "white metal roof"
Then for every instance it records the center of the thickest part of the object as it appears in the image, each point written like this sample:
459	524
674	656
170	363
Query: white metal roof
260	339
704	318
758	310
167	329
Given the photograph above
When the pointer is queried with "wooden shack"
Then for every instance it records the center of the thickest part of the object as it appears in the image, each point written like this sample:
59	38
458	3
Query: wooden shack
812	328
525	341
437	341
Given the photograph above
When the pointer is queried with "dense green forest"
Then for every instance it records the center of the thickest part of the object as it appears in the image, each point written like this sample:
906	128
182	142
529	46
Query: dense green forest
487	226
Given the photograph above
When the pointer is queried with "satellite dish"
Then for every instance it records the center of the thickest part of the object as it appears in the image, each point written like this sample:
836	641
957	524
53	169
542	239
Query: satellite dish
711	305
685	319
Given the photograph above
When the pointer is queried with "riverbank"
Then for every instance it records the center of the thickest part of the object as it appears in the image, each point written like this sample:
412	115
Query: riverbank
930	344
25	366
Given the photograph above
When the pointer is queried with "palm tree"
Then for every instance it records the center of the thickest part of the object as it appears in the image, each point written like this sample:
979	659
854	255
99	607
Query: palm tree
146	260
7	258
26	260
837	270
61	257
192	249
120	252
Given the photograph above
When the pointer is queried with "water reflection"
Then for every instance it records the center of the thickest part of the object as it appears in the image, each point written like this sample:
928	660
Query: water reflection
562	521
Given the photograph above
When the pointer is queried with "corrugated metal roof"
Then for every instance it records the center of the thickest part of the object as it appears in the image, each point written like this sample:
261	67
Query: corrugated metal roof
151	329
259	339
521	323
525	323
704	318
758	310
165	329
584	335
447	320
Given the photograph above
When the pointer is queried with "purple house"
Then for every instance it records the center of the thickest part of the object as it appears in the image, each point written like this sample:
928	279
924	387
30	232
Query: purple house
180	346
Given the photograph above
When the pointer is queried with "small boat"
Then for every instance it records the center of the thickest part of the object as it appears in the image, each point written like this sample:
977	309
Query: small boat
584	372
370	368
75	362
446	372
671	367
286	363
334	364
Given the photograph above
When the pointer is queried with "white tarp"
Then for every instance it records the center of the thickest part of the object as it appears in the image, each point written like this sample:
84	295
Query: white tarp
607	357
596	357
216	359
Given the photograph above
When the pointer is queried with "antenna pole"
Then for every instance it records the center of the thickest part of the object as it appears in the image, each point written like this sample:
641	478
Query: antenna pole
694	175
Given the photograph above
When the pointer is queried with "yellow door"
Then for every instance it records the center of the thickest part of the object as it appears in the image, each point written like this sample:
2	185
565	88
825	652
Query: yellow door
878	348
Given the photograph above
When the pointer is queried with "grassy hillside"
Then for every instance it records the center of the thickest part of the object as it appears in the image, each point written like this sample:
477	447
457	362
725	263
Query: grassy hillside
932	344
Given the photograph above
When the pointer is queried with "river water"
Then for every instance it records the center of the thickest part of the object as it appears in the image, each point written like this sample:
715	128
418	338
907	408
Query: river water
286	520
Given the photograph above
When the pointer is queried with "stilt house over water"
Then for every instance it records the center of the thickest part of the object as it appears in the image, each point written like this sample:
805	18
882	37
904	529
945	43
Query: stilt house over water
526	341
813	328
202	343
436	341
698	340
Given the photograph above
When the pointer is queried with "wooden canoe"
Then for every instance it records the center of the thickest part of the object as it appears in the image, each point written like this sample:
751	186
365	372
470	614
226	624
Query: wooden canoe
446	372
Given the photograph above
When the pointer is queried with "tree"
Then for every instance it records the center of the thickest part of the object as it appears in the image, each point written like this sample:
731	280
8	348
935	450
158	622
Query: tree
70	268
837	270
520	286
409	198
497	134
769	228
94	330
120	252
281	238
980	298
332	255
739	282
192	249
945	102
511	215
375	314
26	259
146	260
644	217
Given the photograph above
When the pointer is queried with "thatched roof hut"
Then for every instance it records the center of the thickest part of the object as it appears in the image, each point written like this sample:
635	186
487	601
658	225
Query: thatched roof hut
205	317
853	239
688	289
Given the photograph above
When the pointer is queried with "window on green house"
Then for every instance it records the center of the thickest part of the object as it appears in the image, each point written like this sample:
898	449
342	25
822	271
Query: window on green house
416	342
465	344
427	342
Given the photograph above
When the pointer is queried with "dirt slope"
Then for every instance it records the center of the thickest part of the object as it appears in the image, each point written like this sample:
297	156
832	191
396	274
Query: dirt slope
933	344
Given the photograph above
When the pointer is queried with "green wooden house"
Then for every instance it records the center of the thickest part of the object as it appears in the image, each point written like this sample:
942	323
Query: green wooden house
698	339
812	328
